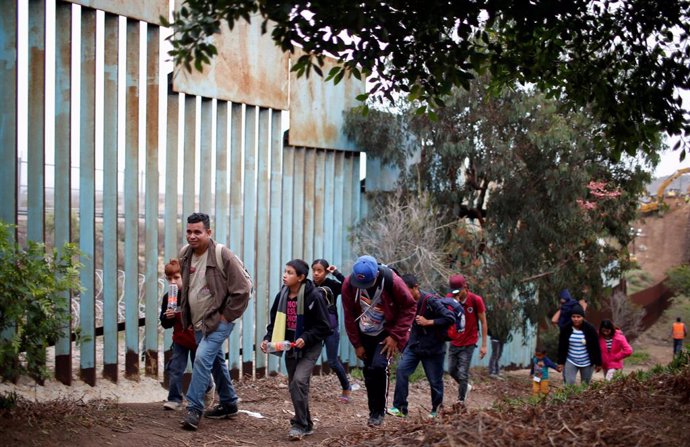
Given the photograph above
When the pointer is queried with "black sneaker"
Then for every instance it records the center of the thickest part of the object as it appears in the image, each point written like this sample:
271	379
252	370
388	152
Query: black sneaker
296	433
375	421
309	431
191	420
222	411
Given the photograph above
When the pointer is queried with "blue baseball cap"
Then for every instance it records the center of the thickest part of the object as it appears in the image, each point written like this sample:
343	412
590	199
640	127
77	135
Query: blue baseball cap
364	272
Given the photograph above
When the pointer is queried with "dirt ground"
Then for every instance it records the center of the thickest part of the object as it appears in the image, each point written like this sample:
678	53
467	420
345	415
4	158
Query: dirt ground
631	411
662	242
264	419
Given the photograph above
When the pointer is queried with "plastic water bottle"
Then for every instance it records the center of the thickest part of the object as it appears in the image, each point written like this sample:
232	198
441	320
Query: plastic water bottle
279	346
172	297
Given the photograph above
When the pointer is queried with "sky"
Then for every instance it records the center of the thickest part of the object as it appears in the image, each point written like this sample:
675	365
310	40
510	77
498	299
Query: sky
670	162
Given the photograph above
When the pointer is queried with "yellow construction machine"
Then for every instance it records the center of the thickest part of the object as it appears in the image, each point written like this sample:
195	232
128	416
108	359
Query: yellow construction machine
656	202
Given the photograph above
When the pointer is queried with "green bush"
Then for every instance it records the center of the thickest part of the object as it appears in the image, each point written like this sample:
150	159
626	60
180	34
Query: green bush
679	279
34	308
638	358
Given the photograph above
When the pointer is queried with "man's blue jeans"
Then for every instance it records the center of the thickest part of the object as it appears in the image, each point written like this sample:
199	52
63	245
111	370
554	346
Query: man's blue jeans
332	343
175	368
211	360
433	368
459	359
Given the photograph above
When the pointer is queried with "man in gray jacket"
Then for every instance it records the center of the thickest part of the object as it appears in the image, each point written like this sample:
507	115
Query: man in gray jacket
213	297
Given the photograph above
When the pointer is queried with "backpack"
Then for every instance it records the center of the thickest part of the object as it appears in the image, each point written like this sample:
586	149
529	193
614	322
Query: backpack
450	332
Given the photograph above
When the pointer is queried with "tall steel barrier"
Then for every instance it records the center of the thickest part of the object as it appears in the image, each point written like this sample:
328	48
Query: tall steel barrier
118	152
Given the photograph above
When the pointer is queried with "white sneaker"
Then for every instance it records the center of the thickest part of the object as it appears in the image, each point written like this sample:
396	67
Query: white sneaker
467	393
172	405
210	397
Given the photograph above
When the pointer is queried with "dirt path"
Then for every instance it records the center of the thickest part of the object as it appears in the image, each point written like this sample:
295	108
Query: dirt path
264	419
662	243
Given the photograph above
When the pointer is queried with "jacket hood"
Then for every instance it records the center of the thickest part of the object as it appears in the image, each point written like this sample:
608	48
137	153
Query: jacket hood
565	295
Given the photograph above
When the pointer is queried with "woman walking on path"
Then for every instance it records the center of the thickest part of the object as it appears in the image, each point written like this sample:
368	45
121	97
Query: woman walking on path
578	348
320	270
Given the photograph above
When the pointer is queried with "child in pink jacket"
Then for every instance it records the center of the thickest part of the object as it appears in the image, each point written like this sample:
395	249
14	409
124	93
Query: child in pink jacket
614	348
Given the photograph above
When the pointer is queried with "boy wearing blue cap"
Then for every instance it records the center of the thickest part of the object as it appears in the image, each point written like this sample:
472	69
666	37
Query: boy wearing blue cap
378	311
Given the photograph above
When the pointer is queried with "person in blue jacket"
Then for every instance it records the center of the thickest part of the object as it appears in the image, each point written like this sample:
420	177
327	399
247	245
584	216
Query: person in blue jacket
426	346
568	303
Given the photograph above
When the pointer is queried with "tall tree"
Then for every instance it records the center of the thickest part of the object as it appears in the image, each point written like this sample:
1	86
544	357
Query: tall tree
624	60
555	212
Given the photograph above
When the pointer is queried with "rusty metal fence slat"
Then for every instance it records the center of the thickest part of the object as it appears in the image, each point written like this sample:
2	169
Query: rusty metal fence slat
87	195
262	241
110	198
276	197
151	199
220	227
189	162
298	205
236	132
36	121
287	213
62	176
205	156
131	191
249	233
8	113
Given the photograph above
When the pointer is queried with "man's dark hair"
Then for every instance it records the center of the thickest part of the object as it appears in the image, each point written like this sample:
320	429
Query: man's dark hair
199	217
410	280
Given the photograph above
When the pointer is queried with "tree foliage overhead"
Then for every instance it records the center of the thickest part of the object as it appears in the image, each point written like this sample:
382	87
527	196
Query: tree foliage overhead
554	212
625	60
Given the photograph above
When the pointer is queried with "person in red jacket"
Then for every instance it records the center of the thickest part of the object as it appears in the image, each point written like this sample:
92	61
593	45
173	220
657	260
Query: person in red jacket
183	343
378	311
614	348
463	345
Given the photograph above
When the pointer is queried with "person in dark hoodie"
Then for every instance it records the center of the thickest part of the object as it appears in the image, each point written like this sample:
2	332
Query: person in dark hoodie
320	270
299	314
562	315
578	348
426	346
